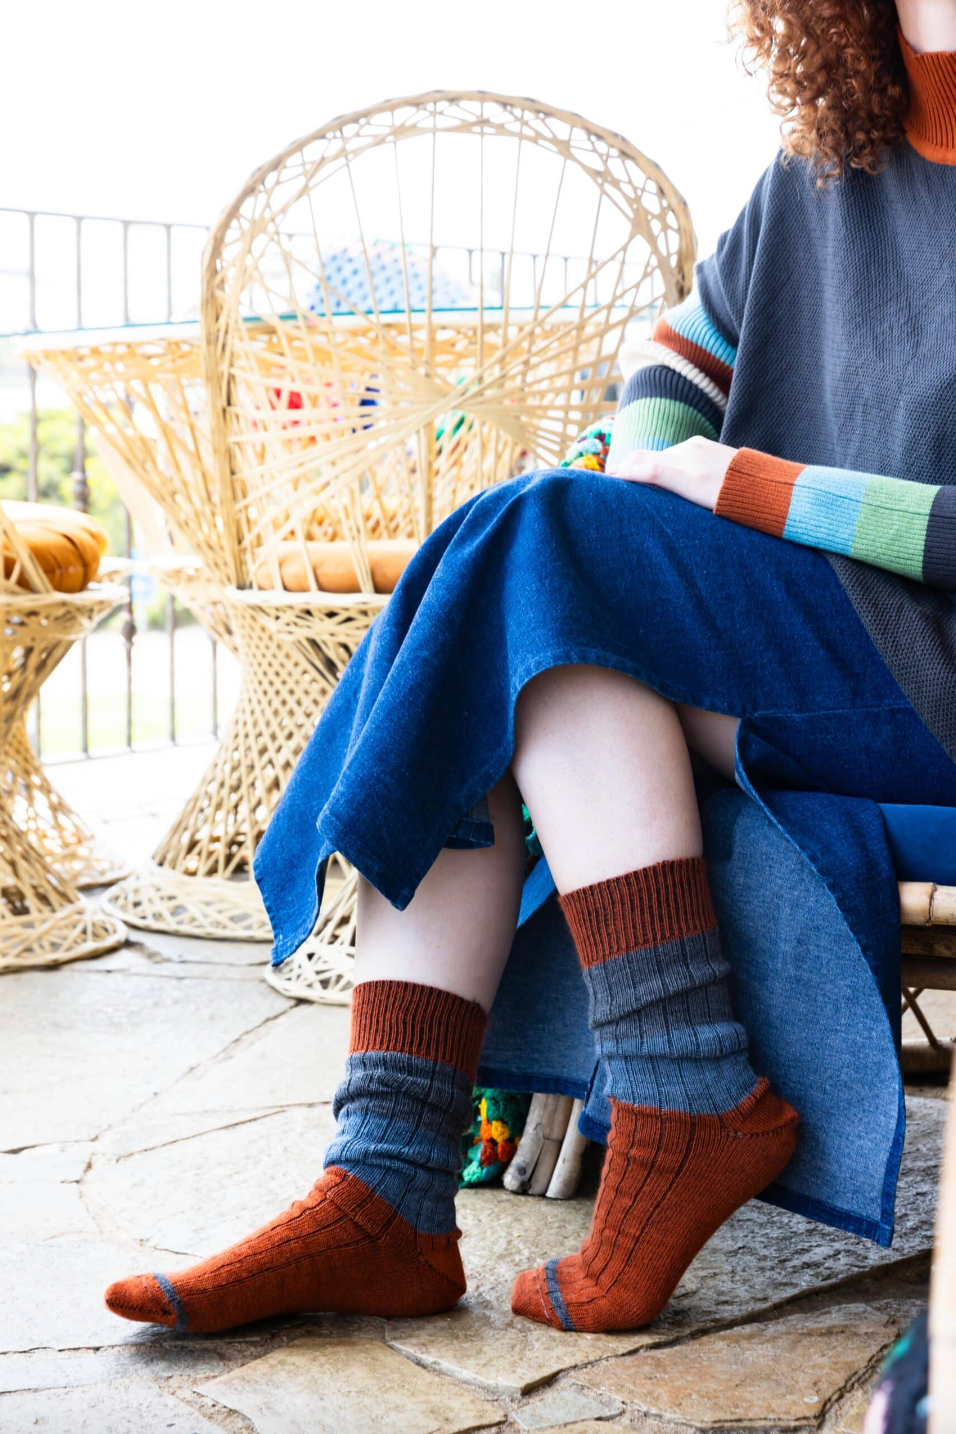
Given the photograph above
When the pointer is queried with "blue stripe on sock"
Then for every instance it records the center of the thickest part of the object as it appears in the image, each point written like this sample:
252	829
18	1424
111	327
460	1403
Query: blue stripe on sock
665	1030
555	1296
640	978
169	1291
400	1122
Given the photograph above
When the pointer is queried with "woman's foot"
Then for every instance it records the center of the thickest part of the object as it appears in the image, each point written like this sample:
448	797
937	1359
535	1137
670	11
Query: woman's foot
670	1180
377	1234
341	1250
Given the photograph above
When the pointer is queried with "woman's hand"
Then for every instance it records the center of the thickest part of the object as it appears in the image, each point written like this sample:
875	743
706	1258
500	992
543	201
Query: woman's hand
693	470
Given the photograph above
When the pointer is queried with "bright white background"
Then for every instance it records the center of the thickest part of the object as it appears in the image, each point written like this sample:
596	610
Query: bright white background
158	109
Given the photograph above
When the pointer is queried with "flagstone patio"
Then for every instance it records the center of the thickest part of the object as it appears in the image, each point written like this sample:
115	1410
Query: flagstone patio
160	1101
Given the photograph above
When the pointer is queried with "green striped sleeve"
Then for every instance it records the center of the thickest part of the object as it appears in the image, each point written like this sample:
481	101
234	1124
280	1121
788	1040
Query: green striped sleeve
658	423
892	523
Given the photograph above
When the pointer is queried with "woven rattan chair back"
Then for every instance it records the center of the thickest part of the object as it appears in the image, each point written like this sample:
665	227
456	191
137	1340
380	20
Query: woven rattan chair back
415	302
144	397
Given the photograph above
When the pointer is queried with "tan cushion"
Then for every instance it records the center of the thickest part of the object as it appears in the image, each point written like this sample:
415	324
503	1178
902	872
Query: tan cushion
333	566
67	545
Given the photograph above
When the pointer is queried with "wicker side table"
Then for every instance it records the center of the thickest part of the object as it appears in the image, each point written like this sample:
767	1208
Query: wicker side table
43	919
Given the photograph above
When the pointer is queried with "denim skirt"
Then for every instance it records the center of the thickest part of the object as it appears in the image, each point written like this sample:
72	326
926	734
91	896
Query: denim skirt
574	567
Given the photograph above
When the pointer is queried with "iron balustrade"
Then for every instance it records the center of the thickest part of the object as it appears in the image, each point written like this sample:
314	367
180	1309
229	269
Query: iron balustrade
81	288
33	300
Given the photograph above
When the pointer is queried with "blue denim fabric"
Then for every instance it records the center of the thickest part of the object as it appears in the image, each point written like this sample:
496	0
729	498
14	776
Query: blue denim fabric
566	567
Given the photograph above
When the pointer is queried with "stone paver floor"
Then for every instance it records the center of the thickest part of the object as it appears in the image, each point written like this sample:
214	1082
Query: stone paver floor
161	1101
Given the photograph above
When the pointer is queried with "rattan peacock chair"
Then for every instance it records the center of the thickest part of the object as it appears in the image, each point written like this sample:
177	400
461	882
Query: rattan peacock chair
411	304
43	919
143	396
45	816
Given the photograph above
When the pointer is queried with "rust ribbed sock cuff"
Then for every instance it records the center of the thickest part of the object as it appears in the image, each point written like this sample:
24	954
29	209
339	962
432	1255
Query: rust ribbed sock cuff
659	1000
414	1020
659	903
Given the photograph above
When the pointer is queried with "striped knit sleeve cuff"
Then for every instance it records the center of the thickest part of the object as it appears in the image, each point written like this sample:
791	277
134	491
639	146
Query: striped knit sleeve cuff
681	390
756	491
658	408
905	527
689	331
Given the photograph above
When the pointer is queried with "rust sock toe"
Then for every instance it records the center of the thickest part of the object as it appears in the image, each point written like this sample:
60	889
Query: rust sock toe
342	1250
143	1298
529	1297
670	1180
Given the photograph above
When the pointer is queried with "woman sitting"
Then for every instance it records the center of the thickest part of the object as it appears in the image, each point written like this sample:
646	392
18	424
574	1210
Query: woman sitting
743	584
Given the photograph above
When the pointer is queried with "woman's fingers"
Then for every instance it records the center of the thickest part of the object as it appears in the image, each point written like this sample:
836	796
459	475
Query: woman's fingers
693	469
641	466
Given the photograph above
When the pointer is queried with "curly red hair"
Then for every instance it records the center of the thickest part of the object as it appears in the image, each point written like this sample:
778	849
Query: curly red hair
835	74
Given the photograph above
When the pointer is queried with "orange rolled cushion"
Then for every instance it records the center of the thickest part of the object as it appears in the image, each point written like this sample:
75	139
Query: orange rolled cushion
333	566
66	545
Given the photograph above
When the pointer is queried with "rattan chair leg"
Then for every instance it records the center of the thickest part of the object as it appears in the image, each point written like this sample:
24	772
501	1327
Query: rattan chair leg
198	883
43	919
48	820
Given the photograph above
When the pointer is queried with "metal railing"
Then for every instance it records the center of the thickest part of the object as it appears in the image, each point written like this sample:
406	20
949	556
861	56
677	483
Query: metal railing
62	271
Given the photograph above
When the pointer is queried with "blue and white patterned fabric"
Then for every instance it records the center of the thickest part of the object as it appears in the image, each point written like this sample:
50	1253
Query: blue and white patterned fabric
347	288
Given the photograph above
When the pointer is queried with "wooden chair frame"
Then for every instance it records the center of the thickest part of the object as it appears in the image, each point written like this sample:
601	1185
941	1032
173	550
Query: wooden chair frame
929	964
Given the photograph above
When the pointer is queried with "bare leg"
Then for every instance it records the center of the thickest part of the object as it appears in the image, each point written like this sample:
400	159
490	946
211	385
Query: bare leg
602	762
457	930
606	759
713	736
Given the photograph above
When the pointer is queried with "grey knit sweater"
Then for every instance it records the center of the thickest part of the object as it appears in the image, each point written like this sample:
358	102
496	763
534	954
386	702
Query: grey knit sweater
821	341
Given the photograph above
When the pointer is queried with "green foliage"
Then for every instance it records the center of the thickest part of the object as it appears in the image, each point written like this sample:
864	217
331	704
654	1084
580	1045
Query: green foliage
56	456
56	439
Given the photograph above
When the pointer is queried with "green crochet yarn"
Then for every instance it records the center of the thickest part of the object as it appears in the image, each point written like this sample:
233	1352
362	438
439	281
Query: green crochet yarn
590	449
492	1138
532	846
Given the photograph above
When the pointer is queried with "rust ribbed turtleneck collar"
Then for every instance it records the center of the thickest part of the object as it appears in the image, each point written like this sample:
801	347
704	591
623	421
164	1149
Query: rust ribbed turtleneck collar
931	119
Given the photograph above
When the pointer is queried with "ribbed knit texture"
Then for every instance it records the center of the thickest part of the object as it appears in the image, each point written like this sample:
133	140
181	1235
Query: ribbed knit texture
643	908
400	1121
931	121
756	491
417	1021
693	1133
377	1232
659	1000
669	1181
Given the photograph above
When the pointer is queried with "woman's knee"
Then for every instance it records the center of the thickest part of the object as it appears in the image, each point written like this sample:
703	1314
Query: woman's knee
571	687
539	489
575	705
